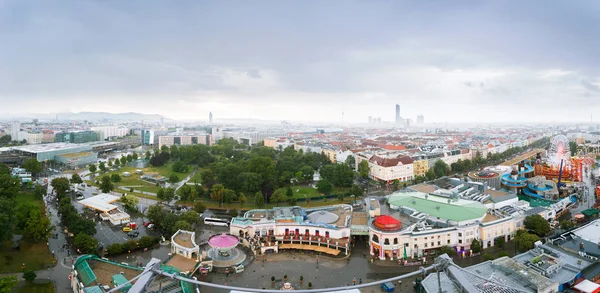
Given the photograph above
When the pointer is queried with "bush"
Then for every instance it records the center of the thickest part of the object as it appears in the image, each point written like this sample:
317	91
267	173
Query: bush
234	213
487	256
502	254
130	245
114	249
29	275
199	207
147	241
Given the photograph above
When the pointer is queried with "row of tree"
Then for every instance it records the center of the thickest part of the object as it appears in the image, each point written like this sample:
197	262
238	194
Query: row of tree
103	167
83	229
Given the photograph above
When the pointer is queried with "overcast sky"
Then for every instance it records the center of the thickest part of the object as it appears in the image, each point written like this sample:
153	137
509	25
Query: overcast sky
452	61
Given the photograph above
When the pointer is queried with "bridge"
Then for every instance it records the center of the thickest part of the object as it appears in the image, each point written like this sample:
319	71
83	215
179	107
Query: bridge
522	157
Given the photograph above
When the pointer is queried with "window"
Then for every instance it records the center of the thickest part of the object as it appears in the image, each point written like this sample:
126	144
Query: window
448	241
416	246
425	244
386	241
459	234
459	240
440	242
375	238
432	244
395	240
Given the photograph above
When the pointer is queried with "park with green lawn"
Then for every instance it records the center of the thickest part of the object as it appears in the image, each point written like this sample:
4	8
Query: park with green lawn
25	215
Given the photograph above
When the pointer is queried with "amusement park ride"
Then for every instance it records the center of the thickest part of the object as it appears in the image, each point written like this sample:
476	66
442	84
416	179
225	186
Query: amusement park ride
560	166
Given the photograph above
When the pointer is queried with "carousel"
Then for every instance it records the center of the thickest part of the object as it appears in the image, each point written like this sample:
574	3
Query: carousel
224	252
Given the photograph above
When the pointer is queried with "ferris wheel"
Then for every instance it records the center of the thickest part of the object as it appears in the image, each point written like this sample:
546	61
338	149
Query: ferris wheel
559	151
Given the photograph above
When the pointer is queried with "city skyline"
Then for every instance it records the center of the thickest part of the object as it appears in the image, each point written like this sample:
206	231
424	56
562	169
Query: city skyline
470	62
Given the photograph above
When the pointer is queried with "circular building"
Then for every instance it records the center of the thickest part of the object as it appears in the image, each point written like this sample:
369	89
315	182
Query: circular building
387	223
324	217
223	250
492	176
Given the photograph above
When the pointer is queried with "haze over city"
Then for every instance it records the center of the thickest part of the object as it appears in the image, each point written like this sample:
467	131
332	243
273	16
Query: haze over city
468	61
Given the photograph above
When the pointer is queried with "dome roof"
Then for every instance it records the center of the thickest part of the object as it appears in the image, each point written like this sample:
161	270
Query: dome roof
324	217
387	223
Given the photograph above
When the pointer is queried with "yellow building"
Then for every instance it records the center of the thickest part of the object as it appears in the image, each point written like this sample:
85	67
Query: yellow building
420	167
330	154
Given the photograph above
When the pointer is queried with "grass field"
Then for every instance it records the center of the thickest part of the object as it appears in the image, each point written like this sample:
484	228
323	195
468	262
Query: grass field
307	191
140	185
34	287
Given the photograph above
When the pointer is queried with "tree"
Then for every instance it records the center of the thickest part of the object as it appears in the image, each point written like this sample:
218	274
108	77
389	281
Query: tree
39	191
487	256
60	185
324	187
476	246
129	158
289	193
147	156
573	148
117	162
525	241
278	196
180	167
160	194
537	224
502	254
363	169
181	225
7	284
106	185
199	207
169	194
259	200
92	168
216	193
115	178
33	166
114	249
191	217
29	275
156	214
134	156
242	198
249	181
307	173
440	168
447	250
351	161
37	227
164	149
356	191
174	178
430	175
86	243
566	224
228	196
123	160
76	179
130	202
110	163
186	193
102	167
499	241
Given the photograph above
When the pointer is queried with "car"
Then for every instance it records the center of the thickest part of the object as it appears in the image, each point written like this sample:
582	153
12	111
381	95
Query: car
146	224
80	196
133	234
151	226
126	229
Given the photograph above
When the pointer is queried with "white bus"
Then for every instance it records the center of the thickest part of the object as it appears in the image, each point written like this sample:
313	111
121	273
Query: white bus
216	222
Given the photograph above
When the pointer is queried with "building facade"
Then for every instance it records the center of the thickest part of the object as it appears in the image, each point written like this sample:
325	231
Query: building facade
170	140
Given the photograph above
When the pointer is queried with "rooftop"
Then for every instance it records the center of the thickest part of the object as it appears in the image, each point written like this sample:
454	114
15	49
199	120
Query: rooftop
76	155
439	207
182	263
48	147
185	239
101	202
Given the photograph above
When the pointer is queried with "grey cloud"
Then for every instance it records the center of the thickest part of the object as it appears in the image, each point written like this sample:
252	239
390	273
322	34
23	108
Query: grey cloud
590	86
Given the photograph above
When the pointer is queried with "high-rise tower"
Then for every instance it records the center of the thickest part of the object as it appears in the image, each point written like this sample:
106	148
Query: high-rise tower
398	120
209	117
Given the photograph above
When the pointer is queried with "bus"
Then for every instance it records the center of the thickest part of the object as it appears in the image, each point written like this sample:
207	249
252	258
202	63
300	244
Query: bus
216	222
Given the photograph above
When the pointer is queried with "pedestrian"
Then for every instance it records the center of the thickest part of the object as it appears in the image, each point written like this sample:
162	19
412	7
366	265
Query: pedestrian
360	281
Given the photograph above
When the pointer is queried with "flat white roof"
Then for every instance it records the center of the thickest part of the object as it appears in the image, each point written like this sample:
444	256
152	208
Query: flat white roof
48	147
101	202
587	286
589	232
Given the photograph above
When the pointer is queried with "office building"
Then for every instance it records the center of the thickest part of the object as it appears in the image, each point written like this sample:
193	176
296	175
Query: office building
370	119
76	137
210	118
420	119
35	137
398	120
178	140
14	131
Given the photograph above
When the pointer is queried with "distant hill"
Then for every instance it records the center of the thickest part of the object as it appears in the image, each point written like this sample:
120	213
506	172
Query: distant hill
100	116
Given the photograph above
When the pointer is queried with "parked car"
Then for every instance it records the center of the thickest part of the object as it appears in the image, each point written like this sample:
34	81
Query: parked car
151	226
126	229
80	196
133	234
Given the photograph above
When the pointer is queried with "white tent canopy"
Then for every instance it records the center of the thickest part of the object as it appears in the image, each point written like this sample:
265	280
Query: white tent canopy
101	202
